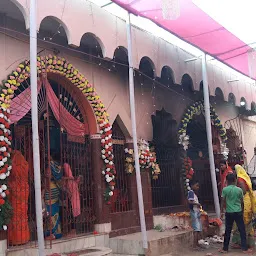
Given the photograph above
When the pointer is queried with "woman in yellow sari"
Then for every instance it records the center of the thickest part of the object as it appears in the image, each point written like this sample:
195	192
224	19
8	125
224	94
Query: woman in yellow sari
244	182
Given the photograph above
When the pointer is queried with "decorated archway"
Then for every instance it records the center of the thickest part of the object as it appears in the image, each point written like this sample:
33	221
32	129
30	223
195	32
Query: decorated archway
60	66
196	109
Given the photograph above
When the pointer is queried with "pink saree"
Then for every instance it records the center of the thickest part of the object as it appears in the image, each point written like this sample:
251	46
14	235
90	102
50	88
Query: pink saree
73	191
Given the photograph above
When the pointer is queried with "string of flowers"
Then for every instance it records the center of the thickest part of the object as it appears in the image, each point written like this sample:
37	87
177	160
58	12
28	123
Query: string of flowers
147	160
5	167
188	171
196	109
61	66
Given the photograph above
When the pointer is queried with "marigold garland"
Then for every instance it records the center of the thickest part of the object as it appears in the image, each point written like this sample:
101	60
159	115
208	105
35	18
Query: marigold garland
52	64
196	109
147	160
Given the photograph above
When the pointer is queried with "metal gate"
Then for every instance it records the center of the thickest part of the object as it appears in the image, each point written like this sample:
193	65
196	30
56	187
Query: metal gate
75	153
166	190
203	175
121	201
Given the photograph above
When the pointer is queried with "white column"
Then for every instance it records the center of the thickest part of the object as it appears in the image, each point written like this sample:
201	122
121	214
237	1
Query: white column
209	135
34	117
134	135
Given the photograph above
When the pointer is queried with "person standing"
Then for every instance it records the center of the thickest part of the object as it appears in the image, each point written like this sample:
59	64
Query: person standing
232	200
244	182
195	212
225	169
53	175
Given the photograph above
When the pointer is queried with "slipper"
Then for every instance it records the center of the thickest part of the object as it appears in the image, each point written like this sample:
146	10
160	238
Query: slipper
222	251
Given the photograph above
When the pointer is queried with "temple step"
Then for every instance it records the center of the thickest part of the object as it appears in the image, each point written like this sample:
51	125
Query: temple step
159	243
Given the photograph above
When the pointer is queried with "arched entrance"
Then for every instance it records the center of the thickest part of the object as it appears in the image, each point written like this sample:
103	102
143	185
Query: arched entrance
83	113
193	138
64	130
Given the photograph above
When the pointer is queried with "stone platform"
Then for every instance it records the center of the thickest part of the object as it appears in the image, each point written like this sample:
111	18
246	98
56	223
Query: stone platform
91	245
159	243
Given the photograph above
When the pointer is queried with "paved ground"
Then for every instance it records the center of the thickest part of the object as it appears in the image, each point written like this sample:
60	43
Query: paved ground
213	251
210	252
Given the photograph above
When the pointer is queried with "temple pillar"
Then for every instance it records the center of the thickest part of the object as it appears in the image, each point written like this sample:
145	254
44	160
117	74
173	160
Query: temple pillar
102	211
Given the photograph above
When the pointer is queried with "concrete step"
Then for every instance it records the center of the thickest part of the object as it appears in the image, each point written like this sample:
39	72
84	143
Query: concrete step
159	243
92	251
66	245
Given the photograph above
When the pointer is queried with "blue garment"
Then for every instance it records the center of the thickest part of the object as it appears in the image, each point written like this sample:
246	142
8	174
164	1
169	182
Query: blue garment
196	221
195	213
52	199
56	171
191	197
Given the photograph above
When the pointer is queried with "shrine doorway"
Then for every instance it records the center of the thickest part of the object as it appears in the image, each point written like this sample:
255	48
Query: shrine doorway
199	155
166	146
65	123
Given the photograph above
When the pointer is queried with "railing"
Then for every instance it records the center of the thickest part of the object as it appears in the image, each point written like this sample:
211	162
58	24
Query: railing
75	200
121	200
166	190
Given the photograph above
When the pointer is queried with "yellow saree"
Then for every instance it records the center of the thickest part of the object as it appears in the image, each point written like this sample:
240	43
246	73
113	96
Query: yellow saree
249	200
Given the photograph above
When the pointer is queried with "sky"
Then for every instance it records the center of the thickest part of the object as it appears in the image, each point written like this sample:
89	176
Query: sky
237	16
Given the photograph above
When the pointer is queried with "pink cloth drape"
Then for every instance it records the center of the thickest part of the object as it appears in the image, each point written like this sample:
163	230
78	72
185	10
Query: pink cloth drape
73	191
66	120
21	104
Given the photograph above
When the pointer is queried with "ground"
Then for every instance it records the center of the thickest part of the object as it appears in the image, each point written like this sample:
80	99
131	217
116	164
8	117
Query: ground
212	252
209	252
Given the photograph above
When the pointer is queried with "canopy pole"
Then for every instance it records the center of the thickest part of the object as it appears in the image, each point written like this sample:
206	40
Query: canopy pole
209	135
34	117
134	135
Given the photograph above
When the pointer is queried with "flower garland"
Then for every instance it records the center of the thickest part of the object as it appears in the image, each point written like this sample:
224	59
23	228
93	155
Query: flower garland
61	66
189	171
147	160
196	109
5	167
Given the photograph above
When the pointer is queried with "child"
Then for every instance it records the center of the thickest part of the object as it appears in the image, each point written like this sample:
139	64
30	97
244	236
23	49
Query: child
195	212
232	199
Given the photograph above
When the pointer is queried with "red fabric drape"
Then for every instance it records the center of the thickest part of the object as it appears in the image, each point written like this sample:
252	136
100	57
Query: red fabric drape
21	105
66	120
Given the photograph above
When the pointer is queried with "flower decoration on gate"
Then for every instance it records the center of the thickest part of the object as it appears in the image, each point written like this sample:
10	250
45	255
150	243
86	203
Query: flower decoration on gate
5	167
147	159
196	109
52	64
187	171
